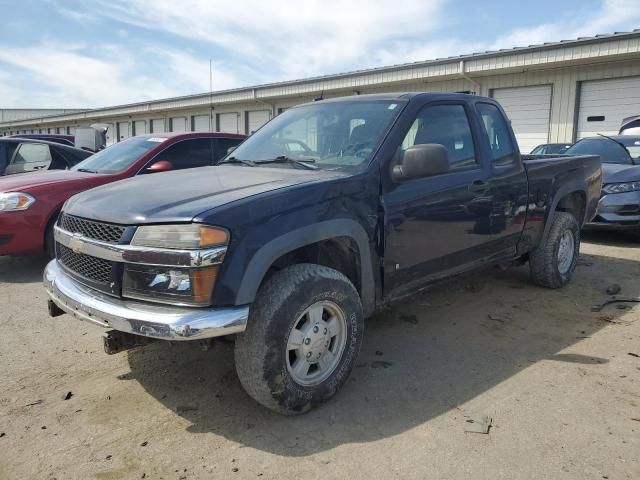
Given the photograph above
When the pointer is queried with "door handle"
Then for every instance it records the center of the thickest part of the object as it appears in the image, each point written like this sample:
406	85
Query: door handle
478	185
39	168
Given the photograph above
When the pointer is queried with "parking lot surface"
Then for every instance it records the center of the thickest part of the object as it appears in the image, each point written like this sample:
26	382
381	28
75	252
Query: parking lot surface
558	383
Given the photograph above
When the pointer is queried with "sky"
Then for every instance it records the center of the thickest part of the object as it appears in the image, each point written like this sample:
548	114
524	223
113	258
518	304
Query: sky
79	54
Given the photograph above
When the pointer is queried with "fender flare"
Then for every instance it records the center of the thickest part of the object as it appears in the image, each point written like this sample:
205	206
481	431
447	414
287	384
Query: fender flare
574	186
274	249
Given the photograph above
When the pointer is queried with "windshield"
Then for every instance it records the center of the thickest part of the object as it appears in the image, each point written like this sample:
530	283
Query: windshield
609	151
119	156
335	135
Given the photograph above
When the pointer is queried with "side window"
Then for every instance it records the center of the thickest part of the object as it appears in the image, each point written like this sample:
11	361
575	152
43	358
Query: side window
32	153
446	125
497	131
188	154
224	144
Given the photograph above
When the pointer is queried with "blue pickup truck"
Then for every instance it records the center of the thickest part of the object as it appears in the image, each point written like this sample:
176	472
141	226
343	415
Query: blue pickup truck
333	209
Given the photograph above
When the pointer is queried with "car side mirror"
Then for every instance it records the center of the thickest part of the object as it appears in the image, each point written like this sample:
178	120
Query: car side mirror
418	161
231	149
160	166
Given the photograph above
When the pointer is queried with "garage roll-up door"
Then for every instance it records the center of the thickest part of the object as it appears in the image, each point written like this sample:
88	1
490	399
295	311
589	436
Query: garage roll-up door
257	119
529	109
604	103
200	123
178	124
157	125
228	122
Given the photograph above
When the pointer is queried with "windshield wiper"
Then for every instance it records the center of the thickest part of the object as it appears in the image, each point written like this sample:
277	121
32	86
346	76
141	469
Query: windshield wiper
237	160
621	144
87	170
306	163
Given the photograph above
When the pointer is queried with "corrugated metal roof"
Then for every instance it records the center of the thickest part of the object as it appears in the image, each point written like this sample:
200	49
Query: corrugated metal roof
278	88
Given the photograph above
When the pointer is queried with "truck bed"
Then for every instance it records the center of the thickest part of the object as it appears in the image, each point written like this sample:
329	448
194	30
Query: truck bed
552	177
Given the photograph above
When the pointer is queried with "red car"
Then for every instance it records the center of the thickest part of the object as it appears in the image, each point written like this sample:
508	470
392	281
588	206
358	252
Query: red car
30	203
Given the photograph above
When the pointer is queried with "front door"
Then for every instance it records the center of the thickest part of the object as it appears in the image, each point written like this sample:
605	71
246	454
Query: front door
438	225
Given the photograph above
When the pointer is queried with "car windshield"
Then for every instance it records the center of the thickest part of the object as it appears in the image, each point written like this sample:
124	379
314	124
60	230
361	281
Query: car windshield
119	156
609	151
332	135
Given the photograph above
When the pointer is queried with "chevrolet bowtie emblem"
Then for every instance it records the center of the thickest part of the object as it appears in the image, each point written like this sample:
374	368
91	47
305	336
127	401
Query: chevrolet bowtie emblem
75	243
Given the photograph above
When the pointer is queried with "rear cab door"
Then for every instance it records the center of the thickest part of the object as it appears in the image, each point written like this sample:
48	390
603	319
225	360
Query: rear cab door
507	185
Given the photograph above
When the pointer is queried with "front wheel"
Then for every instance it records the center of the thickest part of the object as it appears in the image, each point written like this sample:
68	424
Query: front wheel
304	334
553	262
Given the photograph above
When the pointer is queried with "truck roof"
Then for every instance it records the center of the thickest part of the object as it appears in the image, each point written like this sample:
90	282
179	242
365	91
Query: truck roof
397	96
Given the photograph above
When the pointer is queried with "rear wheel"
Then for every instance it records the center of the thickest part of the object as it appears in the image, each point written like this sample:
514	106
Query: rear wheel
302	340
553	262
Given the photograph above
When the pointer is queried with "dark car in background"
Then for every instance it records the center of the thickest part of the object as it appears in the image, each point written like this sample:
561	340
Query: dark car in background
48	137
619	205
21	155
551	149
29	204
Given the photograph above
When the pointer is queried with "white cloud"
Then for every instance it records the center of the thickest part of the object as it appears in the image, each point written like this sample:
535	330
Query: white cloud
250	42
613	15
290	39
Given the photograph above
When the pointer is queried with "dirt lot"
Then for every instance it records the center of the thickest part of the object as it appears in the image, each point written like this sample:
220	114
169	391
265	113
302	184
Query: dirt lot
561	384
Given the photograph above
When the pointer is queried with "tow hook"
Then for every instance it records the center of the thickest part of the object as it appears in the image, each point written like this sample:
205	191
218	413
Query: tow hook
116	341
54	310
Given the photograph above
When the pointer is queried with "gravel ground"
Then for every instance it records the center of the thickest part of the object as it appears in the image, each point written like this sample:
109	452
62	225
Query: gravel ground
560	383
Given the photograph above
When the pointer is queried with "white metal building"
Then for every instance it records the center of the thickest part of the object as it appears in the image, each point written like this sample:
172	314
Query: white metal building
555	92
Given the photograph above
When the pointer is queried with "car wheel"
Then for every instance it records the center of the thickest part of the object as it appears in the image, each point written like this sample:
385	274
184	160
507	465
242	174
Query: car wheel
304	334
552	264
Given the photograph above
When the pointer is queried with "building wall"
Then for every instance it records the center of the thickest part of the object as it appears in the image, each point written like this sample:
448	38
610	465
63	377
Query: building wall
14	114
565	82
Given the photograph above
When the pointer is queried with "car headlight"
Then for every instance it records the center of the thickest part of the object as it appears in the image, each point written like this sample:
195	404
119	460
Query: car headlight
14	201
178	286
184	237
621	187
175	285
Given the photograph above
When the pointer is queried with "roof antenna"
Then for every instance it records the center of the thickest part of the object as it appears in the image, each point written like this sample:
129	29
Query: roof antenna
321	97
211	95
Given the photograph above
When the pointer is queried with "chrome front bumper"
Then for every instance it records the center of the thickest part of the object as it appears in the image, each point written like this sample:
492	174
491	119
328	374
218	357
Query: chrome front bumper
157	321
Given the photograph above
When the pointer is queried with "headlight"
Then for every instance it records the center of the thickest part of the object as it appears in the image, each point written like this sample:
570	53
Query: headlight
185	237
12	201
177	286
621	187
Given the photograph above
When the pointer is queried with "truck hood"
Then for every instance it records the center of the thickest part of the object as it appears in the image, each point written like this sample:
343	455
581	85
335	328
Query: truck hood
23	182
182	195
616	173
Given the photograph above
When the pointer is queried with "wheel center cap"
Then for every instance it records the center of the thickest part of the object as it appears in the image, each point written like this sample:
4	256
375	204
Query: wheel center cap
316	342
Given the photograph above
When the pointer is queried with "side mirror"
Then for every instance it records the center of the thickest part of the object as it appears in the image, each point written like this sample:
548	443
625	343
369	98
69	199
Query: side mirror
420	161
160	166
231	149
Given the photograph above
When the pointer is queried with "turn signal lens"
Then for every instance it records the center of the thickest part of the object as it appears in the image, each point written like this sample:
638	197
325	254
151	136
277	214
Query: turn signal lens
213	236
12	201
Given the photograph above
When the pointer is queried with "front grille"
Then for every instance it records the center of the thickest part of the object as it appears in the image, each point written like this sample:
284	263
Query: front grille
89	267
105	232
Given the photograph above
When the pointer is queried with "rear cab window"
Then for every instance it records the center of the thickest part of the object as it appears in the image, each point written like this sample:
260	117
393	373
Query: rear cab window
503	150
